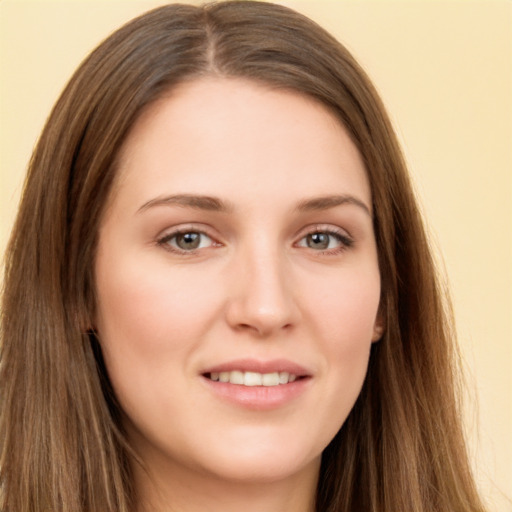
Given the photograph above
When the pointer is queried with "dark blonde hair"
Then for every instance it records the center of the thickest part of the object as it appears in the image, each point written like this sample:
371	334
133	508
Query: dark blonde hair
62	444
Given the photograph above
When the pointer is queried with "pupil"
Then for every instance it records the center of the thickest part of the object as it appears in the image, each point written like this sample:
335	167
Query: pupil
189	240
318	240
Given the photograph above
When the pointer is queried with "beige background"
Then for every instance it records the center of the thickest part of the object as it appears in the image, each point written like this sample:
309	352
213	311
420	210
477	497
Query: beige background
444	69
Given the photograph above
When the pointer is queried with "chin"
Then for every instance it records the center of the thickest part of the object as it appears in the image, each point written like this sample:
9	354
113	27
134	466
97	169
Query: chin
258	460
263	470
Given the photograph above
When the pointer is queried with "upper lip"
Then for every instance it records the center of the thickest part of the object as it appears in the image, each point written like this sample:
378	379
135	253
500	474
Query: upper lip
260	366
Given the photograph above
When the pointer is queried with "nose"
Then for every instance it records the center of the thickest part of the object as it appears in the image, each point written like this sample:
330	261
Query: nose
262	299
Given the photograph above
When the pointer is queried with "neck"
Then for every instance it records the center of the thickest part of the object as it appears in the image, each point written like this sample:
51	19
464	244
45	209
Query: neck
191	491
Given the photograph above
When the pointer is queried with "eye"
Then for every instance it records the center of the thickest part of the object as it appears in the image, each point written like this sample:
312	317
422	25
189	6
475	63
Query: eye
325	241
186	241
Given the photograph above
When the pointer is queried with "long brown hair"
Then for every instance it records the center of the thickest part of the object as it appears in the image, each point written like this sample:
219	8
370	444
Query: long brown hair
62	444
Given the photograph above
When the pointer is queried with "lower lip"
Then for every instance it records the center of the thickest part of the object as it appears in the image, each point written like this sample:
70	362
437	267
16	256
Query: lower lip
258	398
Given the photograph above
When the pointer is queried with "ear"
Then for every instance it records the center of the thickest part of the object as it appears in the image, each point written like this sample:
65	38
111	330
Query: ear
88	320
378	327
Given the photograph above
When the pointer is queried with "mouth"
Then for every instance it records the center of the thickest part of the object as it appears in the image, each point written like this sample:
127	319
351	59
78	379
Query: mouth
258	385
250	379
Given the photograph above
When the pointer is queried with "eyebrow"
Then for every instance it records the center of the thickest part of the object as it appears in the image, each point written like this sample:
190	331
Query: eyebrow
215	204
198	202
327	202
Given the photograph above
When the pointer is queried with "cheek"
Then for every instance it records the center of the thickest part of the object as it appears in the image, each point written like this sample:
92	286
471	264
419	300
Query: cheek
346	307
146	302
149	321
345	315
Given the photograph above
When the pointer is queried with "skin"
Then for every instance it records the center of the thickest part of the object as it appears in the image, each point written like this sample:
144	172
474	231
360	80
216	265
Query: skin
256	287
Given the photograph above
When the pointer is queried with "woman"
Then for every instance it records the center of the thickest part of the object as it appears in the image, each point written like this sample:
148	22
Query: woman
218	289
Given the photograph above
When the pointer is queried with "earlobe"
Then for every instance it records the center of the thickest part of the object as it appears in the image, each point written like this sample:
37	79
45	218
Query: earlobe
378	328
90	327
89	321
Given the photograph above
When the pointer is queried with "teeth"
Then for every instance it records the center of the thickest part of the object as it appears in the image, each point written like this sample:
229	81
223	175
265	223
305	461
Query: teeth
236	378
270	379
253	378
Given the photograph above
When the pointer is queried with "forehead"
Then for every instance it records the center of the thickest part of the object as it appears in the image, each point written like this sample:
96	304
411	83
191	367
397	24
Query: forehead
220	136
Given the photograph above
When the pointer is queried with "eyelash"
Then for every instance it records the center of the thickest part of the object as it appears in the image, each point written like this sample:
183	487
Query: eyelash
345	242
164	241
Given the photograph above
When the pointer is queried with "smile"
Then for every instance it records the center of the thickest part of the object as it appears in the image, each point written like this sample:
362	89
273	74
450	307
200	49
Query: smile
253	378
257	385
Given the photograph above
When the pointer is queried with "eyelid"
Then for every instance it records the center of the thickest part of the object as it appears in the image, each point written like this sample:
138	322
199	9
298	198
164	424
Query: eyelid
323	228
168	234
346	240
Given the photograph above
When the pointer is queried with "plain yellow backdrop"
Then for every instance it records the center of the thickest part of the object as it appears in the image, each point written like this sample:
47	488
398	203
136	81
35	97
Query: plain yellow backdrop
444	69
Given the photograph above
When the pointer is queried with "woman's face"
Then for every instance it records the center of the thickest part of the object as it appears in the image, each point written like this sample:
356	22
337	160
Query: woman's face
237	280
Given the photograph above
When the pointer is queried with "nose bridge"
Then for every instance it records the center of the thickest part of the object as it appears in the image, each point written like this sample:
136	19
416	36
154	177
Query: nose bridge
262	295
